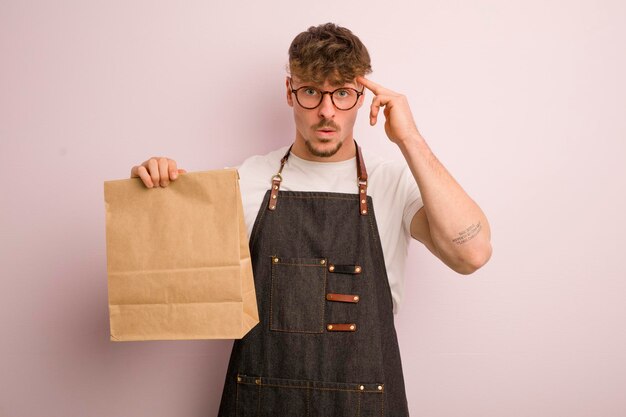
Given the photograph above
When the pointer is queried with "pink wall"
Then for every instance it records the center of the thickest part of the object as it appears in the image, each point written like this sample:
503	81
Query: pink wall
523	101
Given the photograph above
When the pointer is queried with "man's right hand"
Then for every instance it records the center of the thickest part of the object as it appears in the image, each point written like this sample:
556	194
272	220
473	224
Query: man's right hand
156	172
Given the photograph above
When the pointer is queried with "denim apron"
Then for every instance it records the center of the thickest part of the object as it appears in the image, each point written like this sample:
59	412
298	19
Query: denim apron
326	343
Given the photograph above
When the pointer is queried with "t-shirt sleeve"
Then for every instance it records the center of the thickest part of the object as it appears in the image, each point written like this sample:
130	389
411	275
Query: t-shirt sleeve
255	178
254	181
412	198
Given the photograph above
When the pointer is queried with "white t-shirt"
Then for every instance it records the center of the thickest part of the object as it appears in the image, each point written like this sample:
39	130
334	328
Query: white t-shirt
391	185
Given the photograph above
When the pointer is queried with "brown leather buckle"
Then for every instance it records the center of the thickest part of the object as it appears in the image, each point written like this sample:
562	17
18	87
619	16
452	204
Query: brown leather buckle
345	269
343	298
341	327
361	174
363	197
276	179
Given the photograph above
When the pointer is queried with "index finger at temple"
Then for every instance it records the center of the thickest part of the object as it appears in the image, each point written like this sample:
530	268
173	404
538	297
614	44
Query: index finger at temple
369	84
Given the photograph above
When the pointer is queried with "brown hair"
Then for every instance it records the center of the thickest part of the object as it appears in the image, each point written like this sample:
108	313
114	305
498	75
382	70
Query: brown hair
328	52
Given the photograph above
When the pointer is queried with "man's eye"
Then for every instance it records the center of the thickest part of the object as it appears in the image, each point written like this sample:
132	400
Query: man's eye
310	91
342	93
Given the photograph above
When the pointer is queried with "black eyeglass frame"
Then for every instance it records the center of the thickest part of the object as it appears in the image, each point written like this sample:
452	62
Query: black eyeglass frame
294	91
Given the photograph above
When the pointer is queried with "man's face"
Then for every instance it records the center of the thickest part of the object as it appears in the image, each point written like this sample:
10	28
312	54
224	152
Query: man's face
324	129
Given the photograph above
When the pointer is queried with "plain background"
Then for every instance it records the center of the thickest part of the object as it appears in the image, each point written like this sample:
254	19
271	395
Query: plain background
523	101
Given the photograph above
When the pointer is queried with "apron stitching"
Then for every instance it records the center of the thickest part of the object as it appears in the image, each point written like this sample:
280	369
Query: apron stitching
308	399
285	263
376	242
318	197
309	388
272	295
237	399
374	230
299	331
258	410
255	228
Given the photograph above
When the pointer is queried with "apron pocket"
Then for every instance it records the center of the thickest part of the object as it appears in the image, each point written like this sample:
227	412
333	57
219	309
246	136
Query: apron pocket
298	295
271	397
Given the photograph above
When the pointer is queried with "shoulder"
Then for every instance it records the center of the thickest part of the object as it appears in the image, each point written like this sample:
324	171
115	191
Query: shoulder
380	169
258	166
261	161
255	178
391	182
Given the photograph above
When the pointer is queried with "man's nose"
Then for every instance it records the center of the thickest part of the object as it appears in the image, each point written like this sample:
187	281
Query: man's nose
326	108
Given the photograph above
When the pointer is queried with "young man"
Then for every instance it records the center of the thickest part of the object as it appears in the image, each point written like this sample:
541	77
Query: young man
327	269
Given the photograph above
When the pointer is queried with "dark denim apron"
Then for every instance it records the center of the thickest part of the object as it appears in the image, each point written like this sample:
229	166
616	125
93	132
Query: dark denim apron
326	343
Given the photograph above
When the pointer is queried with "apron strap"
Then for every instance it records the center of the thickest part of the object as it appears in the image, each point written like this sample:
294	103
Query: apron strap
361	173
276	179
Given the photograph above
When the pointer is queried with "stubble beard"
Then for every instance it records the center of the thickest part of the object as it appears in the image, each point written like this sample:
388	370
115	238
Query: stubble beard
322	154
328	153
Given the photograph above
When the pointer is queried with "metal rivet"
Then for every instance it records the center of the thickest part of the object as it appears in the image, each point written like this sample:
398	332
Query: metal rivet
257	381
352	327
357	269
363	201
356	298
364	212
272	207
380	388
275	260
361	387
274	196
276	187
323	262
329	327
362	191
331	268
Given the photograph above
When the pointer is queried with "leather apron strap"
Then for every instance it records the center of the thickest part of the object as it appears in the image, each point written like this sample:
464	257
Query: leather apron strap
361	173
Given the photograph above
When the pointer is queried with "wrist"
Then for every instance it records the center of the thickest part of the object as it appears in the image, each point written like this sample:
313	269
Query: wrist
411	140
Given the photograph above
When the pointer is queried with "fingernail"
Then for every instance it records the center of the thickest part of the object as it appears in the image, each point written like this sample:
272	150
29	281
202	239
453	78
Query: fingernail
174	175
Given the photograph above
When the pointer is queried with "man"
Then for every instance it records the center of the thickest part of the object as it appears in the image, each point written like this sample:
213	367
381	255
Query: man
327	269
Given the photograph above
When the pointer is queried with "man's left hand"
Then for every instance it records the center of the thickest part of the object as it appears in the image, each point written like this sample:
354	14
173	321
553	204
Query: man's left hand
399	123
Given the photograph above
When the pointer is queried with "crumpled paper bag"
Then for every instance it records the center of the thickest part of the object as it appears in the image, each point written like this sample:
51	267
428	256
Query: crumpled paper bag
178	260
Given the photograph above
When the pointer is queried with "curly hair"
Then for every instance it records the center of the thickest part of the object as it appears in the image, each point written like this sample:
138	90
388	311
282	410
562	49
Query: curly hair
328	52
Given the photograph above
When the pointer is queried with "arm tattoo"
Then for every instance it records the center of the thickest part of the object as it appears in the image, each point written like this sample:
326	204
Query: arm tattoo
467	234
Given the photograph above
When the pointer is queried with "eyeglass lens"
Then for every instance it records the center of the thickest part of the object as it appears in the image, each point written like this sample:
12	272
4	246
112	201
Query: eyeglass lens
344	98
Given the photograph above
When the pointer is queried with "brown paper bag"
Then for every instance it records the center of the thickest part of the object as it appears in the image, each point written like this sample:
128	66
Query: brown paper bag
178	259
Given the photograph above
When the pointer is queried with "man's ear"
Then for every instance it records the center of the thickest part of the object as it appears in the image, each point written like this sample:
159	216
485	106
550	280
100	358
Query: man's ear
288	90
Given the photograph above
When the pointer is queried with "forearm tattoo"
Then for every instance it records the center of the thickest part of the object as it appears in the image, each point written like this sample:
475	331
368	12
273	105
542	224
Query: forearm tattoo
467	234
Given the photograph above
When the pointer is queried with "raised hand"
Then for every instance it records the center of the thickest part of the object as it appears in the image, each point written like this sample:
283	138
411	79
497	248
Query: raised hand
399	123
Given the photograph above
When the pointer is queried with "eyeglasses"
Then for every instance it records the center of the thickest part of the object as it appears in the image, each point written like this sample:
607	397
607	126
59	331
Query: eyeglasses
343	98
